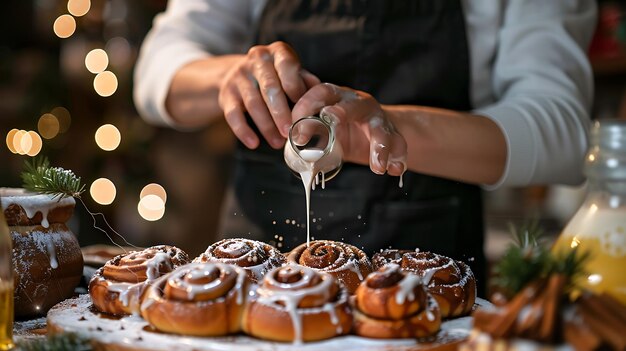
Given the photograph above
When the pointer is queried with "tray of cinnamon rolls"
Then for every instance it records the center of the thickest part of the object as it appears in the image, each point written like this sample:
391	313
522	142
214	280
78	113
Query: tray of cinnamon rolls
242	292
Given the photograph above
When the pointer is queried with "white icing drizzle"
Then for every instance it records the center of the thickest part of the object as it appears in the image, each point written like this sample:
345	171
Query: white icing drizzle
54	263
309	163
196	271
406	288
33	203
274	257
123	292
292	293
334	319
353	265
153	264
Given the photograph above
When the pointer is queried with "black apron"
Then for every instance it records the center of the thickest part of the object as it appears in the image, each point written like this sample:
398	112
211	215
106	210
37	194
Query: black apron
401	52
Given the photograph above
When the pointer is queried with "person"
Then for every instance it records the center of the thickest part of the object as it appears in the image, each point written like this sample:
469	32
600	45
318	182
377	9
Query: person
465	95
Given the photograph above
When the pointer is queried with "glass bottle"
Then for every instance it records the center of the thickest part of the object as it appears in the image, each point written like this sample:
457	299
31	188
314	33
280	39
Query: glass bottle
599	225
6	285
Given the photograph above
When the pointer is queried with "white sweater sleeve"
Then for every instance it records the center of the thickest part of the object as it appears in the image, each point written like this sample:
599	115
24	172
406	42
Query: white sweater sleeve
187	31
542	82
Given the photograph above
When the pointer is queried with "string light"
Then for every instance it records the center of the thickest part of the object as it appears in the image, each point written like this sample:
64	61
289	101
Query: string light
64	26
35	144
78	7
151	207
103	191
48	126
96	61
105	83
24	142
154	189
17	142
108	137
64	118
9	140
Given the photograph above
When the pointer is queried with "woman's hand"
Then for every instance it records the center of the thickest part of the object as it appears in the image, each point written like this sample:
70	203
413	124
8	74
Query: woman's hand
366	134
260	84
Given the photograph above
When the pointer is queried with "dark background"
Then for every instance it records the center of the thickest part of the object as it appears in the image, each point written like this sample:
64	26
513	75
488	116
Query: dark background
39	71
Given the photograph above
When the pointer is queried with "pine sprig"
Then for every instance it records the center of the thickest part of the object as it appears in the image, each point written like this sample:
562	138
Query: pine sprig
570	264
519	266
528	259
57	342
56	181
529	234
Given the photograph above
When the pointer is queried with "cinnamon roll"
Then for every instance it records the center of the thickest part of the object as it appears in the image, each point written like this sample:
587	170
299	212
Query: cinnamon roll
200	299
347	263
451	282
256	257
297	303
392	303
116	288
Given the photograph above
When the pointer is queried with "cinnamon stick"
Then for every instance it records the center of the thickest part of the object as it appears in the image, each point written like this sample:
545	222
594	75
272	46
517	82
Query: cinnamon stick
601	320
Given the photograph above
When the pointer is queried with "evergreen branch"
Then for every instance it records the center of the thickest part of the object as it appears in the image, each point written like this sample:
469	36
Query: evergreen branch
527	260
520	266
570	264
39	177
528	234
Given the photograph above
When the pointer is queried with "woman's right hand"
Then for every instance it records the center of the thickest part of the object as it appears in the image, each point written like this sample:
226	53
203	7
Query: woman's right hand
261	84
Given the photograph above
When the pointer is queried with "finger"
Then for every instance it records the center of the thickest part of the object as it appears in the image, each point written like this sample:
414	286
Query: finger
310	80
380	144
397	156
256	107
232	105
288	68
272	92
312	102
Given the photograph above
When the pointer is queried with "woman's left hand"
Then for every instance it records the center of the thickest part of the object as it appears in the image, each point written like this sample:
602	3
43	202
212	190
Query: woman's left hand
366	134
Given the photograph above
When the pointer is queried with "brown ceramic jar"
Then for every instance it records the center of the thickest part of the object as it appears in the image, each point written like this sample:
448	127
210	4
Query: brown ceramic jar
46	255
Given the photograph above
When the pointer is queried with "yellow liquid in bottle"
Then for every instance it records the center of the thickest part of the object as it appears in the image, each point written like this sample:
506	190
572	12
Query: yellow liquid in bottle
602	233
6	315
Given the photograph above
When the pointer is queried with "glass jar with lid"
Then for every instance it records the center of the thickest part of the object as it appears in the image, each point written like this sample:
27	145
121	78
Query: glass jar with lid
599	225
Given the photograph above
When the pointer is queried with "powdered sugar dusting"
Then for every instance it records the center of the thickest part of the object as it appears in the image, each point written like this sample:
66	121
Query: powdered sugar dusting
75	315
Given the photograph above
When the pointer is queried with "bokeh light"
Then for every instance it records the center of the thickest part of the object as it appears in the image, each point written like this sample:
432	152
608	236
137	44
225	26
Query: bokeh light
154	189
103	191
48	126
108	137
96	61
119	51
105	83
151	207
24	142
17	142
64	117
9	140
64	26
78	7
35	144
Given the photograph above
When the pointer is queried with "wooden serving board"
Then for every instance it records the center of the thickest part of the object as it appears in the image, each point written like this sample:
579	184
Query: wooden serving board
78	316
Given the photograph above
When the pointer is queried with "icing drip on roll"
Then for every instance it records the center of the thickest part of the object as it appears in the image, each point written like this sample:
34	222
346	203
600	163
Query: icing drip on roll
256	257
204	282
125	277
393	303
203	299
451	282
301	291
345	262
